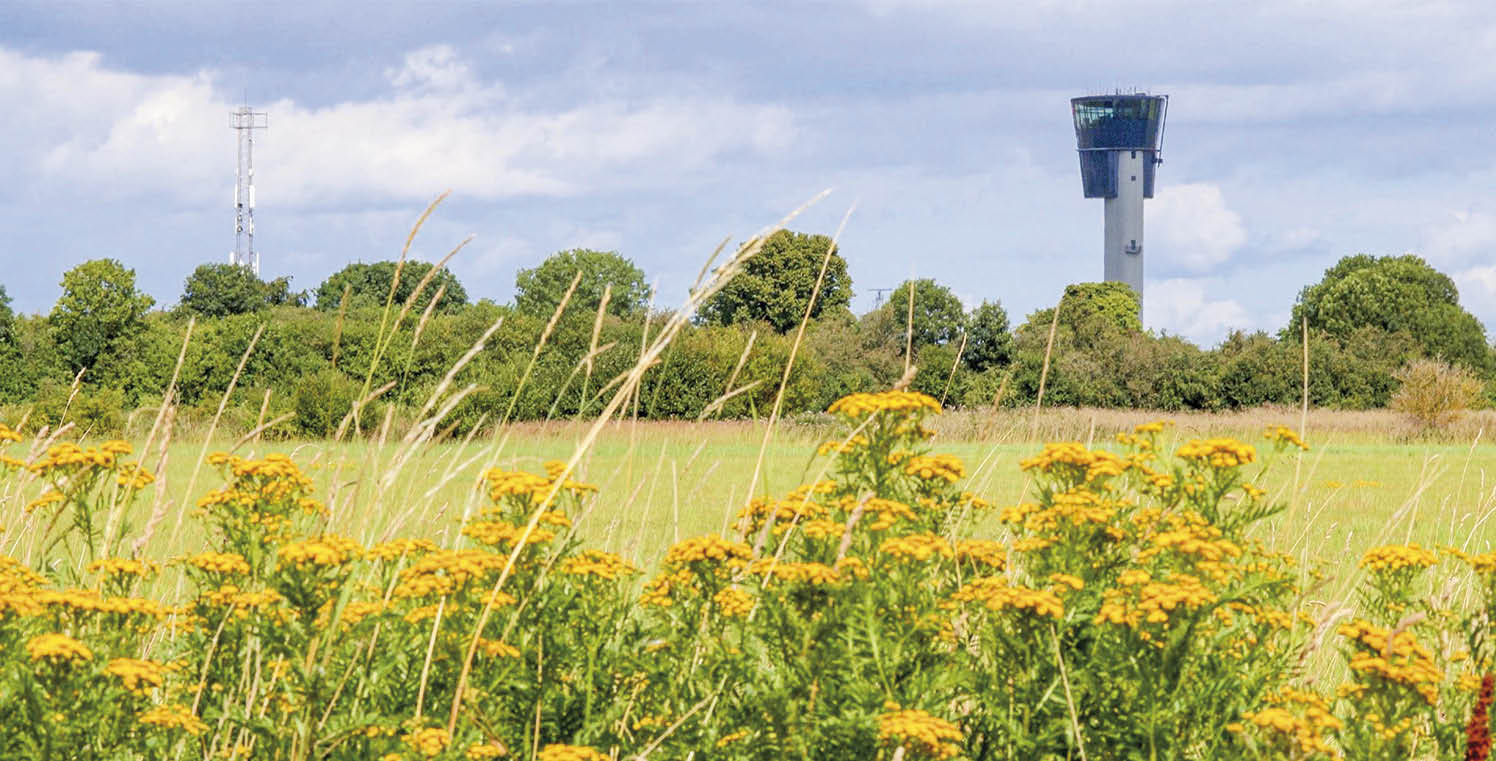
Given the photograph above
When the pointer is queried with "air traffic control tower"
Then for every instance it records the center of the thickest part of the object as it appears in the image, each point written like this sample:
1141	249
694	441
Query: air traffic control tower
1119	138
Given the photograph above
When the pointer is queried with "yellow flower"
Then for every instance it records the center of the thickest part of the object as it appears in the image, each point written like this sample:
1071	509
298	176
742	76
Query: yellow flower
932	467
227	563
918	547
1396	557
996	594
174	717
923	735
135	672
57	648
481	751
733	602
428	742
107	567
569	753
1282	435
1218	453
597	563
329	550
859	405
709	549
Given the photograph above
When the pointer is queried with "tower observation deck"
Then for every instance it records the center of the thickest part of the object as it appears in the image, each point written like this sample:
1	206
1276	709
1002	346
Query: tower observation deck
1119	138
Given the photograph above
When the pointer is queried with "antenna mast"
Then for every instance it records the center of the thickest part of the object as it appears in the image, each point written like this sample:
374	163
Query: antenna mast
245	121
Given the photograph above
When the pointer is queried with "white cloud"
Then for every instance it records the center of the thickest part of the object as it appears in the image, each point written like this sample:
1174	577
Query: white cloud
1465	235
1190	228
167	135
1184	307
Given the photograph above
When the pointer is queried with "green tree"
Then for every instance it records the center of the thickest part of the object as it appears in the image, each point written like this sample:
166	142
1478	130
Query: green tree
7	318
1399	294
99	308
939	318
368	285
219	290
775	285
989	343
538	290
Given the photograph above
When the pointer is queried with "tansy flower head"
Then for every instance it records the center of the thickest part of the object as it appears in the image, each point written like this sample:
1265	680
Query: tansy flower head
57	648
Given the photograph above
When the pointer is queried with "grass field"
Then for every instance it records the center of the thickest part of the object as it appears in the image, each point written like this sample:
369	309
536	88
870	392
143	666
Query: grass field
1365	482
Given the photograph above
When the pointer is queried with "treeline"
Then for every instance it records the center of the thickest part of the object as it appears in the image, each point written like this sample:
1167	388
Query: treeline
105	350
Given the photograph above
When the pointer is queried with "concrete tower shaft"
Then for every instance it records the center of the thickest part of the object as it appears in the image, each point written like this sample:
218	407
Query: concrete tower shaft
1119	138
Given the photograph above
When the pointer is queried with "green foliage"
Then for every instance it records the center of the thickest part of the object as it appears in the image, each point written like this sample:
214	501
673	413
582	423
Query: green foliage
368	285
1398	294
537	291
7	317
220	290
989	343
323	399
938	316
99	308
775	285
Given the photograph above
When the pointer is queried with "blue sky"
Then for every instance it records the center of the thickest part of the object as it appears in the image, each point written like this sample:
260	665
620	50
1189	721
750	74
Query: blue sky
1298	133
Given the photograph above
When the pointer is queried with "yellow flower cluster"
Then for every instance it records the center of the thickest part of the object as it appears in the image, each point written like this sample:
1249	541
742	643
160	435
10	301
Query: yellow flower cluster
862	404
482	751
228	563
982	552
733	602
530	487
134	477
921	734
1304	729
399	548
174	717
603	565
328	550
708	549
946	467
732	737
8	435
1075	508
241	602
1218	453
996	594
1285	436
57	648
135	673
884	512
1074	457
1139	599
495	649
428	742
803	573
794	508
845	446
505	534
823	529
70	456
107	567
1396	557
89	601
446	571
918	547
569	753
1402	660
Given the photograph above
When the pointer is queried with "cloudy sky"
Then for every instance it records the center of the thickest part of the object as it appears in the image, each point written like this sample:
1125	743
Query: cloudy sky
1298	133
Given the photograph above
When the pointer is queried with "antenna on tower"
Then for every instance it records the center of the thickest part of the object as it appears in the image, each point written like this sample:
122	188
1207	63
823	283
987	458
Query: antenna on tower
245	121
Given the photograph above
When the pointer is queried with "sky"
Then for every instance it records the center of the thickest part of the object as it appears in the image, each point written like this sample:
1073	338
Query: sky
1298	133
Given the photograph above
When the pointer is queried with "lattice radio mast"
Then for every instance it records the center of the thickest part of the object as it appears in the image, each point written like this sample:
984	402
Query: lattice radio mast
245	121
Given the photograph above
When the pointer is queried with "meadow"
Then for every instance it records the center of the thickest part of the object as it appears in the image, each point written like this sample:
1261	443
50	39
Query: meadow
885	580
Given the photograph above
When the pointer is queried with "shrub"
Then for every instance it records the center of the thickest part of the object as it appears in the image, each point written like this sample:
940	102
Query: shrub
1434	393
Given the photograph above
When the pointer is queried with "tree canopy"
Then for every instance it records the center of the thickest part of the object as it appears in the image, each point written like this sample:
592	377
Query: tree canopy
1399	294
939	318
7	317
538	290
989	343
99	307
368	285
219	290
775	285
